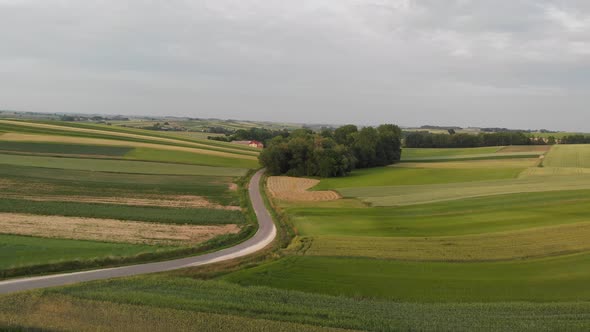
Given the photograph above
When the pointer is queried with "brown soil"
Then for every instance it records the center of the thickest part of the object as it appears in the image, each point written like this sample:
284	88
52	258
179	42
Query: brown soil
296	190
110	230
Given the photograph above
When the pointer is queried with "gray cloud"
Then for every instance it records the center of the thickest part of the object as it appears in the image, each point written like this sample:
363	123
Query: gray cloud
519	63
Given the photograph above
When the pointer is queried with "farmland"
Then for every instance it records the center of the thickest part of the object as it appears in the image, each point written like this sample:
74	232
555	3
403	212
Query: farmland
494	243
89	195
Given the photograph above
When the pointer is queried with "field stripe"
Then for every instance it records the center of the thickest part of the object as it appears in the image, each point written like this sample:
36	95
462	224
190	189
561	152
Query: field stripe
129	135
119	166
17	137
529	243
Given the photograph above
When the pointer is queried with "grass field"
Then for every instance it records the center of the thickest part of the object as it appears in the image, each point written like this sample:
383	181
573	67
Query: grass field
384	176
537	280
118	166
123	212
57	148
419	194
410	153
459	217
18	251
164	302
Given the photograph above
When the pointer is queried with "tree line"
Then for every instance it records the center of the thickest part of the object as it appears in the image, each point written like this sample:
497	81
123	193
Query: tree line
252	134
430	140
575	139
332	152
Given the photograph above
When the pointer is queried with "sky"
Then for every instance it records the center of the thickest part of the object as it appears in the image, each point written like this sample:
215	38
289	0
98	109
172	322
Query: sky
504	63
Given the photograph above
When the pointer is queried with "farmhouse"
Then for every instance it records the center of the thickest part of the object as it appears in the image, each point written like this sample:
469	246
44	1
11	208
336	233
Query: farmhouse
254	144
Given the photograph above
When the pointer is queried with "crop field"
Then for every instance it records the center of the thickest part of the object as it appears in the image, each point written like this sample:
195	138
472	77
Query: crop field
296	190
518	238
466	239
118	166
384	176
414	153
90	196
165	303
18	251
568	156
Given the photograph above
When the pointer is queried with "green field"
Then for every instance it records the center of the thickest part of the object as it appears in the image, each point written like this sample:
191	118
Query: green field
540	280
460	217
18	251
57	148
118	166
385	176
124	212
419	194
568	156
41	177
163	302
414	153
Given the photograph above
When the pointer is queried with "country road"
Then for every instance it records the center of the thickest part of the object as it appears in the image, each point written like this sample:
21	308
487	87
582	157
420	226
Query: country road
263	237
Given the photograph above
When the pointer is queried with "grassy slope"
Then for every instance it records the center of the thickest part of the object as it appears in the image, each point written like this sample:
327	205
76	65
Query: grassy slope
121	166
470	216
549	279
385	176
419	194
24	251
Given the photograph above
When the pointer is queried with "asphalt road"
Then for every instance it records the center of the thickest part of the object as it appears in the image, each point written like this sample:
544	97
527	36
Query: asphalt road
263	237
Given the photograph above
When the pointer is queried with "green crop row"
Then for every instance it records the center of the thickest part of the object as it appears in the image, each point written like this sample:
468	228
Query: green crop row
124	212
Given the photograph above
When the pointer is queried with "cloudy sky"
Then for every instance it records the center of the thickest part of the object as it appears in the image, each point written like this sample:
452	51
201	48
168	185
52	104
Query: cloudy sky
509	63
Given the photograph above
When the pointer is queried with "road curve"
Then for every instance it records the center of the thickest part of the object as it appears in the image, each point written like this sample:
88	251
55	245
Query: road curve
263	237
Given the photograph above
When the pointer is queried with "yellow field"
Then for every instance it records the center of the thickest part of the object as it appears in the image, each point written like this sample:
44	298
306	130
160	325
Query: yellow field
110	230
293	189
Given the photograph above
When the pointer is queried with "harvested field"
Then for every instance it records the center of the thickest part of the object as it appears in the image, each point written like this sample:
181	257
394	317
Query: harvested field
18	137
526	148
293	189
184	201
535	242
109	230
